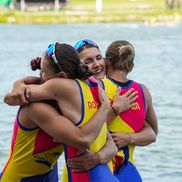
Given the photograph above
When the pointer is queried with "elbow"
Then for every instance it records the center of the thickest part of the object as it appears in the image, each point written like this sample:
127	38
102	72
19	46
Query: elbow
84	143
153	137
5	100
156	132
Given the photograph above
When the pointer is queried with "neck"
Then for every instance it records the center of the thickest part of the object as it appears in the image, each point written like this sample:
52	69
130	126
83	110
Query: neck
117	75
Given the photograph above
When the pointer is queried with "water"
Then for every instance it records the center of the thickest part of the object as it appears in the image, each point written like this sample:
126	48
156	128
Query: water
157	65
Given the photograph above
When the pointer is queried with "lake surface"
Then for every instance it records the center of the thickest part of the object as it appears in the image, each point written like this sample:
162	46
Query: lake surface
157	65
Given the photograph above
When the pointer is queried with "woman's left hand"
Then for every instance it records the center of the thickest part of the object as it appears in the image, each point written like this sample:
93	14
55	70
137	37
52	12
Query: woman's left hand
121	139
84	162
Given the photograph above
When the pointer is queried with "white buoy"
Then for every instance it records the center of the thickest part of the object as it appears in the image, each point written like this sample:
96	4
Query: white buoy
99	6
56	5
22	5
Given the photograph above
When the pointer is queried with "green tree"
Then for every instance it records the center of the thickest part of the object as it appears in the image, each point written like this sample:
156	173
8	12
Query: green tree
171	4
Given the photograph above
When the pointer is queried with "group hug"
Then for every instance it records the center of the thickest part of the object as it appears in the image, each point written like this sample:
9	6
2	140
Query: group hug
82	106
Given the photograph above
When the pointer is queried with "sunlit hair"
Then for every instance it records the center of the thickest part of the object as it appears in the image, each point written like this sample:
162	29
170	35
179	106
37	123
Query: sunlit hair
69	61
121	55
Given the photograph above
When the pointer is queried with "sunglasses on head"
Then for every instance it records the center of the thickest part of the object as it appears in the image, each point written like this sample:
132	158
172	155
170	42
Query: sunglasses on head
81	43
52	54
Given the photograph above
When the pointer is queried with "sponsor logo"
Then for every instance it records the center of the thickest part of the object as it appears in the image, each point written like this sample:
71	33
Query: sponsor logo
93	104
136	107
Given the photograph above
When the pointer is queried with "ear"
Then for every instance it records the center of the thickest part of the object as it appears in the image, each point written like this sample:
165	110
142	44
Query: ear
62	75
107	62
131	69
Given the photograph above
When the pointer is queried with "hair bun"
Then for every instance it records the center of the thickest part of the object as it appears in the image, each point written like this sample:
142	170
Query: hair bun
35	63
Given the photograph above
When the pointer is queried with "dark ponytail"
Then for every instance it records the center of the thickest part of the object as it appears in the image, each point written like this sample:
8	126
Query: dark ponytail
70	63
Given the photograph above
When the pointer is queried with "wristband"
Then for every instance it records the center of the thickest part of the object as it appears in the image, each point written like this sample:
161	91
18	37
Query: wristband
114	110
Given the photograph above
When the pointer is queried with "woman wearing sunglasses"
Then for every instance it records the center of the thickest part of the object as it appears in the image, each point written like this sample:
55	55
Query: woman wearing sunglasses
128	128
78	99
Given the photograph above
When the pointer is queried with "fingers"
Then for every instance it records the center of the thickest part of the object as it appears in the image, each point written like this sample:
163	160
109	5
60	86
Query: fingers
76	164
17	99
76	167
23	99
133	94
103	98
129	92
81	151
118	91
133	104
133	99
20	98
113	135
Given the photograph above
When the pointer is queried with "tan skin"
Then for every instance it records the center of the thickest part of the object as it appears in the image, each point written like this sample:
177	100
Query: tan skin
90	56
47	118
76	103
93	59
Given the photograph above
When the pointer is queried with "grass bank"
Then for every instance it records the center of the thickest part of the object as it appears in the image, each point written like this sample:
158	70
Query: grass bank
81	11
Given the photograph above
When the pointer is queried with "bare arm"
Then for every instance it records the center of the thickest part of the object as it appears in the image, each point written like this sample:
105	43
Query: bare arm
59	127
23	93
90	159
108	151
150	115
53	89
20	91
142	138
27	81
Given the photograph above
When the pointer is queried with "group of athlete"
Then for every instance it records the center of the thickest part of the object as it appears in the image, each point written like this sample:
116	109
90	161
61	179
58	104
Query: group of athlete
85	105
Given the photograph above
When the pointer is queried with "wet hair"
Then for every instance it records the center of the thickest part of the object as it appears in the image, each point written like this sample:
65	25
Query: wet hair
69	62
121	55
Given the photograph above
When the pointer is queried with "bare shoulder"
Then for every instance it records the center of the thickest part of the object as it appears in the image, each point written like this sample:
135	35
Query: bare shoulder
61	85
62	82
145	89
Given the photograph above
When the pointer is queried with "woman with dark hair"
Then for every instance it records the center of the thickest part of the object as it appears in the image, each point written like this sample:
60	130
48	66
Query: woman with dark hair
77	99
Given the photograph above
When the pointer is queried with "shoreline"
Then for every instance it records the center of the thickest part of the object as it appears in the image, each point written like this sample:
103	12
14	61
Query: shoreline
66	17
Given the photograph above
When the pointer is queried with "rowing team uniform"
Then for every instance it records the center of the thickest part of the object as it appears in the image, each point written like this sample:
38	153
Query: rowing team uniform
131	121
33	160
100	173
32	157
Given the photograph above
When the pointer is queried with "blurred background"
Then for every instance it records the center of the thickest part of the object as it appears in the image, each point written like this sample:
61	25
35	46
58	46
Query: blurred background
154	28
74	11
